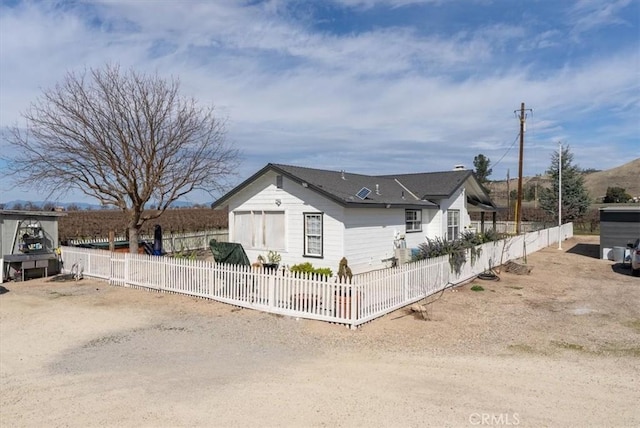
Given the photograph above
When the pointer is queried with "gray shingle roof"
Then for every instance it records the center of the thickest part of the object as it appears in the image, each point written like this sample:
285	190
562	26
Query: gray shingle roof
343	186
422	190
434	185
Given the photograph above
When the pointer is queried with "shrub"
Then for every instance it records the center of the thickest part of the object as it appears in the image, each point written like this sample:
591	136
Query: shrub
491	235
309	269
456	249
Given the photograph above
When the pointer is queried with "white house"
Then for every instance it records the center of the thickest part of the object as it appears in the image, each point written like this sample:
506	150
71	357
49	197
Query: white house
320	216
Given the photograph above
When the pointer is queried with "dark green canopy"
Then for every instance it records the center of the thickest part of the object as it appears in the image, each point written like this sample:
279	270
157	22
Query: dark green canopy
229	252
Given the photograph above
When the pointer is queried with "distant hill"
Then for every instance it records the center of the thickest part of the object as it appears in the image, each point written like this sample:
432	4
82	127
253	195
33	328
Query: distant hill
626	176
22	204
499	190
31	205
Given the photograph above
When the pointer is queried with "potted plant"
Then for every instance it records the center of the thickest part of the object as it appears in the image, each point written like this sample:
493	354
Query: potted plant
273	260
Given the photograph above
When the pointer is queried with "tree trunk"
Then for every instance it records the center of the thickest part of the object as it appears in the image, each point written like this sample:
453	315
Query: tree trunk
134	230
133	239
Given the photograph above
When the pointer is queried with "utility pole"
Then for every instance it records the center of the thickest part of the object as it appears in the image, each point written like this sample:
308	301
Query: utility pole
523	120
508	197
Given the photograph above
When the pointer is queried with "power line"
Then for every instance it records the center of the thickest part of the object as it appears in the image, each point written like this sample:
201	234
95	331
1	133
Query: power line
508	150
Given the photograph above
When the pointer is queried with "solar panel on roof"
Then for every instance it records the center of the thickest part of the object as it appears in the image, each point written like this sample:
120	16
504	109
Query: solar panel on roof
363	193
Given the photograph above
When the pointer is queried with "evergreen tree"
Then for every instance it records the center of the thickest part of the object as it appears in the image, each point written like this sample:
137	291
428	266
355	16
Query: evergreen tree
575	199
481	163
616	195
529	192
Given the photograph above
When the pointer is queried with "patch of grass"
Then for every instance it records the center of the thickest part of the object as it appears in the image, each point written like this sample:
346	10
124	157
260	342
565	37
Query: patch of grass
56	294
622	352
165	328
634	325
156	327
515	287
106	340
566	345
522	348
477	288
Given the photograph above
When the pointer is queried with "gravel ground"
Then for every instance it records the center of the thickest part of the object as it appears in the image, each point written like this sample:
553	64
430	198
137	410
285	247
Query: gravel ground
558	347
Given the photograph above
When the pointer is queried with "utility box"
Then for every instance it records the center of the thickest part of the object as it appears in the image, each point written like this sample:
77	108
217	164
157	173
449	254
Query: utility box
402	255
28	242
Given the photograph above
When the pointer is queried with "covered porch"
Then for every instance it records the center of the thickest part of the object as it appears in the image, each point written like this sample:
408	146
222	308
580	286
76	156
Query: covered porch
474	205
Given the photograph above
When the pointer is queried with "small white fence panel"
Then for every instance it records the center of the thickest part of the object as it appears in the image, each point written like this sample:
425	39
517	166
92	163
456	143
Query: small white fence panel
363	298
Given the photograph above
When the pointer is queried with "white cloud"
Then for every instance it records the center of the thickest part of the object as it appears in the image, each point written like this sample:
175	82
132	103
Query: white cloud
387	98
367	4
587	15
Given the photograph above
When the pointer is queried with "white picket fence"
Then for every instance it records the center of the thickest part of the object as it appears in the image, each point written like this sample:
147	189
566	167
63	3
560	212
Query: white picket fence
366	297
507	226
171	243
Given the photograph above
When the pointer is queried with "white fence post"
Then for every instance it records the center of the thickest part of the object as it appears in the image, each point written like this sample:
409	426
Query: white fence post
126	269
163	275
271	290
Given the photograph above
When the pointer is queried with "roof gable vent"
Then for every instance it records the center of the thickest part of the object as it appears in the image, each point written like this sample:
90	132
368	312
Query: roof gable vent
363	193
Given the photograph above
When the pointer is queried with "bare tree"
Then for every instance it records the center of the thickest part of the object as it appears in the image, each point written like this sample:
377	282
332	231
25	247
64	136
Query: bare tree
31	206
48	206
123	138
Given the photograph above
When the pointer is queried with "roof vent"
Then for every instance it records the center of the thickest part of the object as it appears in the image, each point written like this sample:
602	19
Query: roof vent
459	167
363	193
342	175
377	189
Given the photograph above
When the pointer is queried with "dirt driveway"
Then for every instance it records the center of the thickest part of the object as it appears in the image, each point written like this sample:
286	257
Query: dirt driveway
559	347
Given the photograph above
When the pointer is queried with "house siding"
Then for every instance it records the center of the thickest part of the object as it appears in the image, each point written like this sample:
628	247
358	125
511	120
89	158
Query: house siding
295	200
413	239
369	236
434	228
456	202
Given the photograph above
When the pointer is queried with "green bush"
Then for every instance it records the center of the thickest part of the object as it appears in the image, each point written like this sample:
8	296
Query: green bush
309	269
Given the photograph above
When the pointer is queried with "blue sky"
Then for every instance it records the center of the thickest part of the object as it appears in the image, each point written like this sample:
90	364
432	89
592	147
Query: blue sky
366	86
